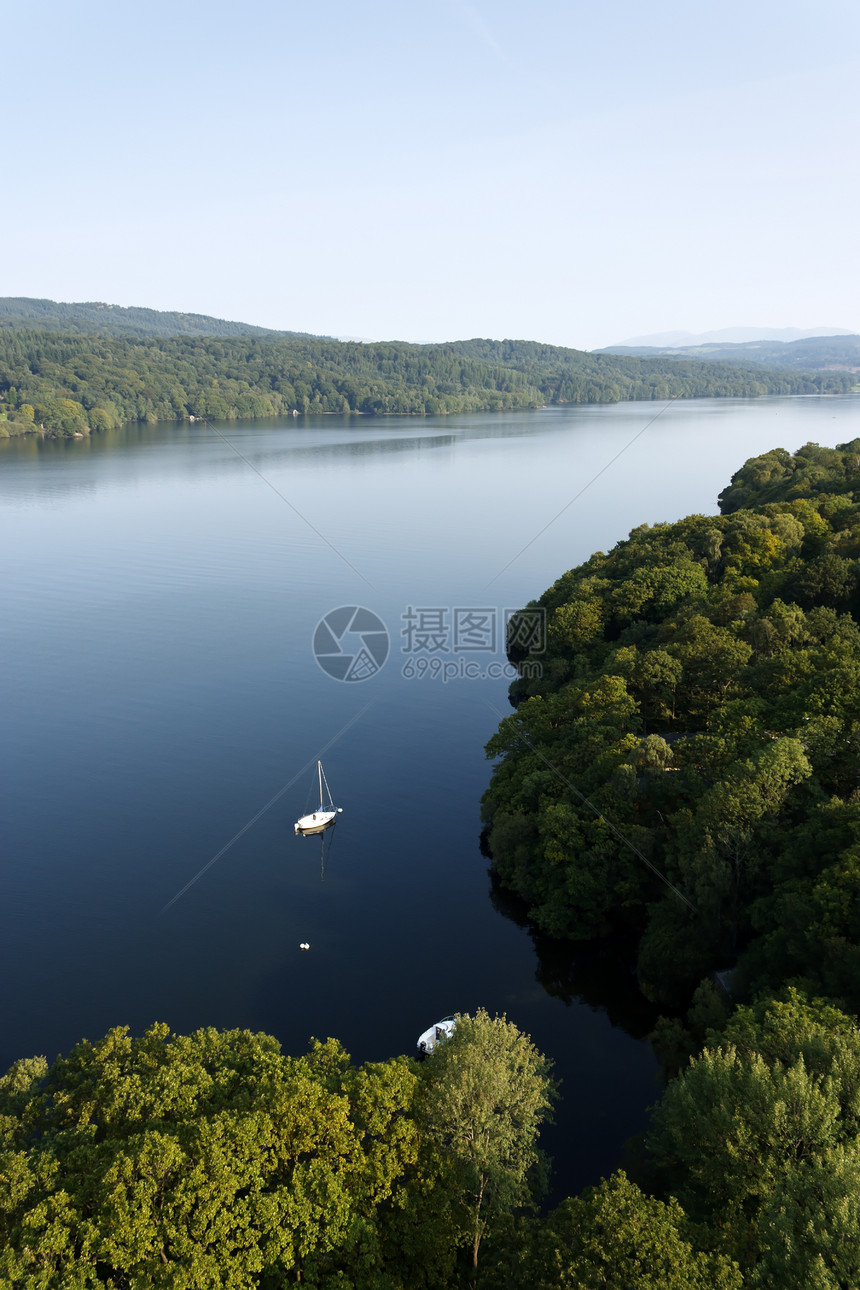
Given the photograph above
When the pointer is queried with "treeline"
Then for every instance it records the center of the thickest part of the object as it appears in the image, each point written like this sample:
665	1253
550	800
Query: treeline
573	376
686	769
96	317
74	384
215	1160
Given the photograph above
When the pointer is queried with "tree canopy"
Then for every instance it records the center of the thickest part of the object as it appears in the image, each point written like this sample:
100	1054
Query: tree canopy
489	1092
72	382
684	765
214	1160
611	1237
759	1138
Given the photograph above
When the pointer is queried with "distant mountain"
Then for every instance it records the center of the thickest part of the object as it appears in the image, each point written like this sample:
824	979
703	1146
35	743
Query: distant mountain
725	336
813	354
95	317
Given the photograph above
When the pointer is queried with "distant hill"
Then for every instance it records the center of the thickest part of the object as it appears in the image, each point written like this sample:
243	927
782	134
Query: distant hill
96	318
72	381
812	354
727	336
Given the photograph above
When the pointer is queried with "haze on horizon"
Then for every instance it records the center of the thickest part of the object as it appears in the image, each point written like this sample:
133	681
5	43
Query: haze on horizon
577	175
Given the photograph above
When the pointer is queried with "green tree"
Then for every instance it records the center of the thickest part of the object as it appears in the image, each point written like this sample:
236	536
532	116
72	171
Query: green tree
213	1160
744	1135
809	1229
488	1091
611	1237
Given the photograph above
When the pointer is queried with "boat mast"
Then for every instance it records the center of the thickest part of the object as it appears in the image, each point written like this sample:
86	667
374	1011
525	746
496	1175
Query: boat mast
319	768
323	780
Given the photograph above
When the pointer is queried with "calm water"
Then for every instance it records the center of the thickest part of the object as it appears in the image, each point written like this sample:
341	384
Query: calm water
159	689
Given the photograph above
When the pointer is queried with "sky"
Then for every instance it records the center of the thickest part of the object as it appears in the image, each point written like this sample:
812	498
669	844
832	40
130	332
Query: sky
396	169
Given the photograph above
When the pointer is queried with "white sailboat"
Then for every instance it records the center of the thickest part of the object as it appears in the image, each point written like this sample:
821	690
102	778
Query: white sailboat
325	814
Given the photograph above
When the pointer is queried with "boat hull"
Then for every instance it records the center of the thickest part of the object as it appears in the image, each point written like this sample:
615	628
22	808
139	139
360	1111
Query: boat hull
428	1041
318	822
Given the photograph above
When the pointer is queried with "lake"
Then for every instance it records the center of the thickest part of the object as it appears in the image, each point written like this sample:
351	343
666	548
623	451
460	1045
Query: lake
162	590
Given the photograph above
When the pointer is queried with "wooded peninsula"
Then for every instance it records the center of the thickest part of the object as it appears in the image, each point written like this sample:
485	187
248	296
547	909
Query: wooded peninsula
73	382
685	774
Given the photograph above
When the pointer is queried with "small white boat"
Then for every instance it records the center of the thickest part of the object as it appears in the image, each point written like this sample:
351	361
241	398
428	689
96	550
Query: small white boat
428	1041
326	813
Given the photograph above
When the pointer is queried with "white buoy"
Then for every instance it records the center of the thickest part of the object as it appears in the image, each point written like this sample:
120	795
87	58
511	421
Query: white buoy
304	945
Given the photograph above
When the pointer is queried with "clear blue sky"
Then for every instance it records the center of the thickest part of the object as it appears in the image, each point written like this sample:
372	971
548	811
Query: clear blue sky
568	172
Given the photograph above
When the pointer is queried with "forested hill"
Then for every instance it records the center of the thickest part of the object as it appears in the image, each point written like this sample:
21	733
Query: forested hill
814	353
70	384
777	476
682	767
685	765
96	317
564	375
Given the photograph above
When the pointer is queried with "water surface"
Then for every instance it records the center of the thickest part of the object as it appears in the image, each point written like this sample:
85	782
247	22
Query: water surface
159	689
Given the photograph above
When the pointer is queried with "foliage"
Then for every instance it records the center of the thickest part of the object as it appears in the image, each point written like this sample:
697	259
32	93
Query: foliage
759	1137
214	1160
489	1090
685	763
115	375
812	472
612	1236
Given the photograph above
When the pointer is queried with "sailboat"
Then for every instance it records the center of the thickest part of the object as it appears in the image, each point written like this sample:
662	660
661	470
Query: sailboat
326	813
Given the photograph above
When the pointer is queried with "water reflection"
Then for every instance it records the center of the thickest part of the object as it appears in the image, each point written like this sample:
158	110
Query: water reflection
326	844
601	974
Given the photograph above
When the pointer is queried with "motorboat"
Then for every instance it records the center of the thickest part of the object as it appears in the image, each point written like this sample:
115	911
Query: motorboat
430	1038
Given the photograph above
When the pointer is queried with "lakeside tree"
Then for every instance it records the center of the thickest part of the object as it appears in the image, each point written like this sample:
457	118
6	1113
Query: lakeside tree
215	1160
611	1237
684	768
758	1137
489	1090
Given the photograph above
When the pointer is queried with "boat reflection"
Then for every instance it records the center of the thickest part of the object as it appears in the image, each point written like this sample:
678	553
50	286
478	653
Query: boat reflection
326	844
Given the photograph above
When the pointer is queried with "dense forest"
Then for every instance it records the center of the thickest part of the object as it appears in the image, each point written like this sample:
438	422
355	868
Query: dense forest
815	353
687	764
71	384
96	317
685	770
214	1160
